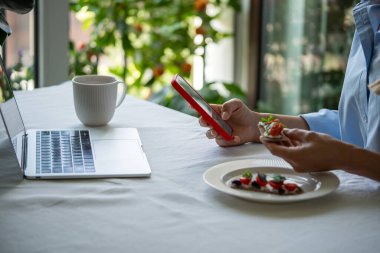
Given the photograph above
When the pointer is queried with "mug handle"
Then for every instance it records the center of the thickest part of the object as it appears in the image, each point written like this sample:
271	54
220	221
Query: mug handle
123	94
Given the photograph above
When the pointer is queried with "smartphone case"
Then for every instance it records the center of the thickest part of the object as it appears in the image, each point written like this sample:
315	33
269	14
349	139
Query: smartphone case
194	104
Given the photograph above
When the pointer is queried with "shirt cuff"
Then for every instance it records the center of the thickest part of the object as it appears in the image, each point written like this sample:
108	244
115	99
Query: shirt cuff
324	121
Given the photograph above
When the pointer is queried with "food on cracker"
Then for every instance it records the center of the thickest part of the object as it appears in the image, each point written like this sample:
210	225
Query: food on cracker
271	127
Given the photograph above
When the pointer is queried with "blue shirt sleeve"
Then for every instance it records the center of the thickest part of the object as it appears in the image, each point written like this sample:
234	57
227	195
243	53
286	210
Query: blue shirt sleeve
324	121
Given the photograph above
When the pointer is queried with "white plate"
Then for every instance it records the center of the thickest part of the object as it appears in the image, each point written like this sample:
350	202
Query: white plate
314	185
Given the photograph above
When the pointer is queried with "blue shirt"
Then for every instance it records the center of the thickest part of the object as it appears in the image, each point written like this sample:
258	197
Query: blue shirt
357	119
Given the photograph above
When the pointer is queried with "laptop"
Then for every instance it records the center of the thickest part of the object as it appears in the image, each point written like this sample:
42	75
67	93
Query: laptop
70	153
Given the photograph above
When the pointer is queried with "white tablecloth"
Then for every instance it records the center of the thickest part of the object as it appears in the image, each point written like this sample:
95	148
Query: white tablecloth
173	210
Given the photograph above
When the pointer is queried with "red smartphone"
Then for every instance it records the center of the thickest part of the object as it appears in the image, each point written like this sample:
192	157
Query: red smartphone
200	105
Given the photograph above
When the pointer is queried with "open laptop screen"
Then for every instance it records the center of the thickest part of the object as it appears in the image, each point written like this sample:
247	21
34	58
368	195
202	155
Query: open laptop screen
9	111
11	125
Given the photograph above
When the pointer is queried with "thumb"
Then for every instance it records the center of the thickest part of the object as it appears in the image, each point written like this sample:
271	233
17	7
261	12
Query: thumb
294	133
229	107
275	148
217	108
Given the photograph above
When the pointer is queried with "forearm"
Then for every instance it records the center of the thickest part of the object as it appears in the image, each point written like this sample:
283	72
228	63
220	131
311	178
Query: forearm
289	121
361	162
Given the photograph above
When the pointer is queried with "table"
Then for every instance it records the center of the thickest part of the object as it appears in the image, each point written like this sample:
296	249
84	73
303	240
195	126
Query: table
173	210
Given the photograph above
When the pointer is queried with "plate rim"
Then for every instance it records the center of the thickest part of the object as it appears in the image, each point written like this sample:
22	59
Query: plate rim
329	181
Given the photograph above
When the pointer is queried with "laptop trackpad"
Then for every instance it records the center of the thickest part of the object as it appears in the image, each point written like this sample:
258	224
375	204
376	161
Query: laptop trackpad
116	157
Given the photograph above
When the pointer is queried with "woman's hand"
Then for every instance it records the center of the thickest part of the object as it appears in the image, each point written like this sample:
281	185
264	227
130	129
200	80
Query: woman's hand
244	123
242	120
309	151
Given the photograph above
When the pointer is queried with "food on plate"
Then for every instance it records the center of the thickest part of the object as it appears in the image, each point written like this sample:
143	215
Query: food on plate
267	183
271	128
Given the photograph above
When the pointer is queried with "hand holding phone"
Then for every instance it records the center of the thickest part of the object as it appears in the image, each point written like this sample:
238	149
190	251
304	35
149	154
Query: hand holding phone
200	105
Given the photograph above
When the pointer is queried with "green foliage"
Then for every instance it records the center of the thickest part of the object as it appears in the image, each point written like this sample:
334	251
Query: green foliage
84	60
21	78
156	38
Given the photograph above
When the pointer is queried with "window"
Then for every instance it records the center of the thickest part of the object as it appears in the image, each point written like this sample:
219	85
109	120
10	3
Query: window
305	46
298	49
136	42
19	55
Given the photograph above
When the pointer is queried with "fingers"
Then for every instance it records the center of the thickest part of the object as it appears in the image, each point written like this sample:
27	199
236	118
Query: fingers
223	143
211	134
284	140
229	107
236	140
224	110
287	142
202	122
217	108
288	153
297	134
276	148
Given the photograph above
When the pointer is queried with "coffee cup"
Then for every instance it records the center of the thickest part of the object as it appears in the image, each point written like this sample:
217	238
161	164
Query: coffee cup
96	97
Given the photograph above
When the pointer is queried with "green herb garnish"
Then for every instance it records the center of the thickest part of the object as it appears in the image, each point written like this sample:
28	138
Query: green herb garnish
278	178
247	174
269	119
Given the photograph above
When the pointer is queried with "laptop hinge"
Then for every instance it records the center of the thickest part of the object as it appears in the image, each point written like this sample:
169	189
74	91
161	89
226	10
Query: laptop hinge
24	153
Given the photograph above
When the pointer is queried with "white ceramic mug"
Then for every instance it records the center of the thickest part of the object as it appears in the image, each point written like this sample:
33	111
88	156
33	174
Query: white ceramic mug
96	98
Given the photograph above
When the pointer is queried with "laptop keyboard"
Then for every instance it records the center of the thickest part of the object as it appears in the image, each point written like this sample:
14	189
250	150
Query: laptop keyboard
67	151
